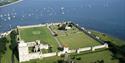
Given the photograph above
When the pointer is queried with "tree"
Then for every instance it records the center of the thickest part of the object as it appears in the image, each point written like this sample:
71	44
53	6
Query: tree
79	58
62	27
13	46
3	42
13	39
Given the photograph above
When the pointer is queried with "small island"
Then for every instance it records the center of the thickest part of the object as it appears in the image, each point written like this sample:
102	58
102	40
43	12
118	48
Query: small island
62	42
4	3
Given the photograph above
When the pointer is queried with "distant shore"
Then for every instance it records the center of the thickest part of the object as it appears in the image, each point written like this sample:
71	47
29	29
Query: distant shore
11	3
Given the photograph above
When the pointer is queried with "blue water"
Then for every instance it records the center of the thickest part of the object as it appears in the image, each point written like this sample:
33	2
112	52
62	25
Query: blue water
107	16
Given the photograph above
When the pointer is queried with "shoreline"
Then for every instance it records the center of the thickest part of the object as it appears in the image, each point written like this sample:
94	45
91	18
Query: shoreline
91	29
10	3
107	37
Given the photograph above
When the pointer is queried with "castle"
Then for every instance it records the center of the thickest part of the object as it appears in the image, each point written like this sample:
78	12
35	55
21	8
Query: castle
25	55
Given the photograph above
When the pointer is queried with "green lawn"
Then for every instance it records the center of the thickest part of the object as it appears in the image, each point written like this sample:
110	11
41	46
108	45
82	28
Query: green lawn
74	38
38	33
77	40
7	57
105	55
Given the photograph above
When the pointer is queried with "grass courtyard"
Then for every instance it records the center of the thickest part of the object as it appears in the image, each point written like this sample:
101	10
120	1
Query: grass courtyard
38	33
74	38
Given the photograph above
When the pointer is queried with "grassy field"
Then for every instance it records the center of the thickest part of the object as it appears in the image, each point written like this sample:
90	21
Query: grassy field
74	38
105	55
38	33
8	57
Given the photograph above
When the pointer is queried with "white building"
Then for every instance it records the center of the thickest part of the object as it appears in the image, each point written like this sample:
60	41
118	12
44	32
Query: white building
23	49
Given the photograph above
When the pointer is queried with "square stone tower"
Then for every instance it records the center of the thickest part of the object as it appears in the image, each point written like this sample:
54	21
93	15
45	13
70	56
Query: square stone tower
23	51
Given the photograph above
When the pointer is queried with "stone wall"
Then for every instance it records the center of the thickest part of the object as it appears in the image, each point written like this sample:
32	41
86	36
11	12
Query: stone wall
53	24
31	44
31	26
38	55
49	54
71	51
34	55
100	46
60	53
83	49
92	48
23	51
5	33
38	25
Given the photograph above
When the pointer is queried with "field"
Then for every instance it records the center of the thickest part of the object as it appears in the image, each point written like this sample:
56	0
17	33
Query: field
104	55
74	38
38	33
8	56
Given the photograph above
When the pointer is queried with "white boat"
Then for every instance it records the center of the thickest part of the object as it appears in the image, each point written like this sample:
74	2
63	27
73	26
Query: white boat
5	15
29	14
14	16
63	13
62	8
8	14
9	18
1	15
5	20
23	16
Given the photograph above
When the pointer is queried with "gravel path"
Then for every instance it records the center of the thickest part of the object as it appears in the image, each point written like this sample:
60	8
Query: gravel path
58	42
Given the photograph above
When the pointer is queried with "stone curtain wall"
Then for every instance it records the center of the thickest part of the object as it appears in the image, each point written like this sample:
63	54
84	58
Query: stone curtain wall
5	33
100	46
84	49
31	26
38	25
34	55
38	55
49	54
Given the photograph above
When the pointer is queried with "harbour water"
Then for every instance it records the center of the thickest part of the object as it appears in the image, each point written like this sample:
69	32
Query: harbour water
107	16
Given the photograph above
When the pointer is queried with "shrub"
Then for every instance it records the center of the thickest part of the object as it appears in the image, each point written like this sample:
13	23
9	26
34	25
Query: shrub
79	58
